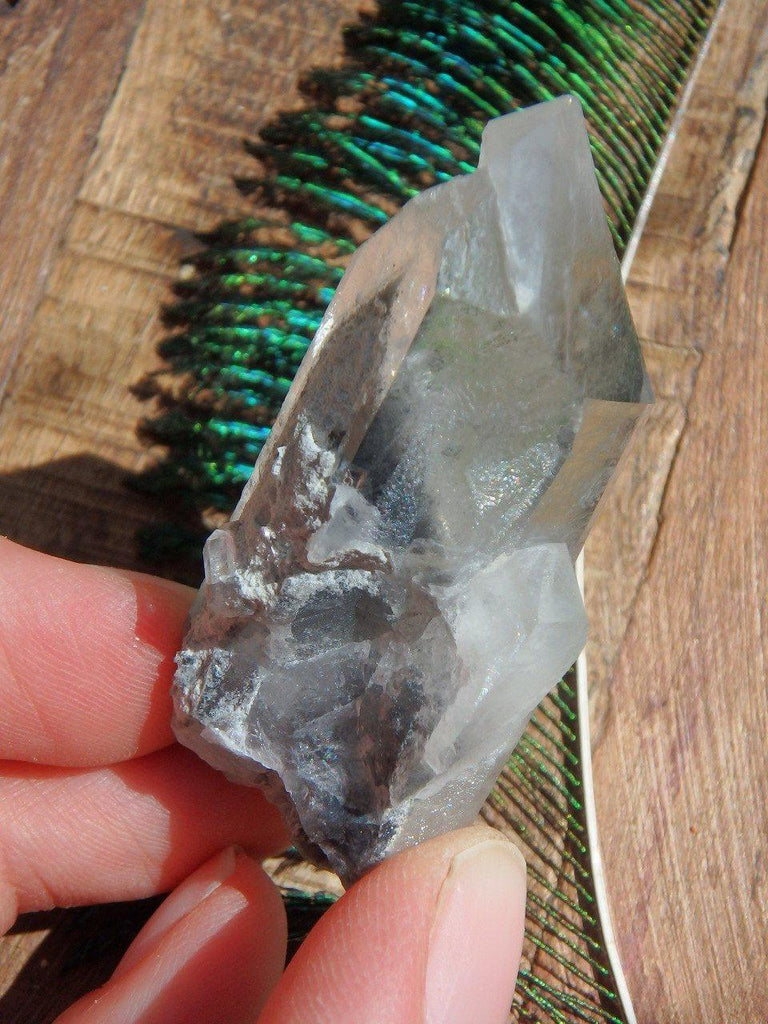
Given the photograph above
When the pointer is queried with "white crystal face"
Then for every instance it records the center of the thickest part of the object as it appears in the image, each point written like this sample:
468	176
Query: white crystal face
395	592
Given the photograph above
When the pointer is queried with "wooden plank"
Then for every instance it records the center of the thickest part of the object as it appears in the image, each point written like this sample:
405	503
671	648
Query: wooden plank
686	240
677	571
197	77
50	112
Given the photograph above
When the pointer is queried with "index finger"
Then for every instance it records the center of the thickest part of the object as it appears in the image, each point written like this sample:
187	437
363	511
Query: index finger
86	659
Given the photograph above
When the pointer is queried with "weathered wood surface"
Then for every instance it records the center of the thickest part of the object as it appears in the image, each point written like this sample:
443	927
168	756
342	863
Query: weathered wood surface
156	163
51	112
121	125
677	572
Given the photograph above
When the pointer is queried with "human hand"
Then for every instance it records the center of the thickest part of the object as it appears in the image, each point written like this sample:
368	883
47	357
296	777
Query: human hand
99	804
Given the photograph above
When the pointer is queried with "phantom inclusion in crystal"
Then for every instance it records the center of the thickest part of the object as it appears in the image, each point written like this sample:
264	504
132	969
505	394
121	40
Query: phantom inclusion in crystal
395	592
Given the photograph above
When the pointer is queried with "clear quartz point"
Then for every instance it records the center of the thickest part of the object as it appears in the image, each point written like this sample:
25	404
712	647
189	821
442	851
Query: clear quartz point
395	591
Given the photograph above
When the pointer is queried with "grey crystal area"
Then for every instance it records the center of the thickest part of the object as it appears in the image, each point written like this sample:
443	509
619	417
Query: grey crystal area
395	592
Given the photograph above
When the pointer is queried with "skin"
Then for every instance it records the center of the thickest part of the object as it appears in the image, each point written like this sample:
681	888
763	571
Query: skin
100	803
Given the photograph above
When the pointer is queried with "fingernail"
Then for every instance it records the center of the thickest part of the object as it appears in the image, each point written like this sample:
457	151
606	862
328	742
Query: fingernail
9	907
476	938
186	897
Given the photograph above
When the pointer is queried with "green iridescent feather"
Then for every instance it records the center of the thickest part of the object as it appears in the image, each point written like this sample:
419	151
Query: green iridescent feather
404	112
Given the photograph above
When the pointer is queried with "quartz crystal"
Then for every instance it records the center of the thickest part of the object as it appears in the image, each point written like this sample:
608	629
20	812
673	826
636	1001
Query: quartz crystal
395	591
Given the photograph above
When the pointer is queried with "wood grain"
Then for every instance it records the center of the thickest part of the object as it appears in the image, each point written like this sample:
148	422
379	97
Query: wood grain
50	115
122	125
196	78
677	572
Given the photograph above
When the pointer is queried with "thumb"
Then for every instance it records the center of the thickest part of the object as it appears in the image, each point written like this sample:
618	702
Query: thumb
432	936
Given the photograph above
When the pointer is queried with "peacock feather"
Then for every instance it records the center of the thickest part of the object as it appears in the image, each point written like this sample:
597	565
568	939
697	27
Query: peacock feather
406	111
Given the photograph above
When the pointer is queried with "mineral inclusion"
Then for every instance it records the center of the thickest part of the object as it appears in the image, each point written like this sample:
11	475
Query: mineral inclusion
395	591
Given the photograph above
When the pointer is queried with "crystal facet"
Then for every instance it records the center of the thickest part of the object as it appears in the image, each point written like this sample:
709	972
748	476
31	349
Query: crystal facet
395	592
